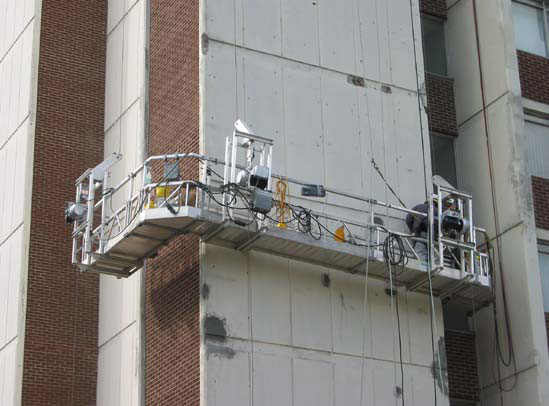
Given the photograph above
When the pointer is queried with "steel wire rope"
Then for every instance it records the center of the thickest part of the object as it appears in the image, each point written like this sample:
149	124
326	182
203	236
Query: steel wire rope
436	352
511	350
387	244
368	247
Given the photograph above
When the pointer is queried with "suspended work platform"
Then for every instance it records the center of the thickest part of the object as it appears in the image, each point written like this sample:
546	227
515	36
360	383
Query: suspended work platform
115	232
153	228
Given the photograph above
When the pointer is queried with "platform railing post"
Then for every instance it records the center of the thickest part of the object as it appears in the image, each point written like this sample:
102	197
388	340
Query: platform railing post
75	237
104	197
228	145
89	219
270	166
129	202
472	237
439	229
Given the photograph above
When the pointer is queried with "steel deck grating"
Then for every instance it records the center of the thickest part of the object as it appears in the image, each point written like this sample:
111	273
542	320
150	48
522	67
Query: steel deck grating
154	228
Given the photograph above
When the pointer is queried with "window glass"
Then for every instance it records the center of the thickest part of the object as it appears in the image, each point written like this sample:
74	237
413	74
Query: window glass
544	270
537	141
443	158
529	29
434	48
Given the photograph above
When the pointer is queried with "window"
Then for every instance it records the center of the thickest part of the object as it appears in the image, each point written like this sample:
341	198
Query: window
443	158
537	141
531	20
434	48
544	270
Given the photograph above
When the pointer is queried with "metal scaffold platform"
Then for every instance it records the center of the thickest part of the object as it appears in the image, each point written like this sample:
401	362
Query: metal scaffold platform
242	213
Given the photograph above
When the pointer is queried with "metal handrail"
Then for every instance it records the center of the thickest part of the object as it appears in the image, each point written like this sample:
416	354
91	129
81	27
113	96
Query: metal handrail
87	237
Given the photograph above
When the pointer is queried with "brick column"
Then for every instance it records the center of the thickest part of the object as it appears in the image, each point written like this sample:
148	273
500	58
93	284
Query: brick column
173	287
435	8
441	104
60	353
534	71
462	365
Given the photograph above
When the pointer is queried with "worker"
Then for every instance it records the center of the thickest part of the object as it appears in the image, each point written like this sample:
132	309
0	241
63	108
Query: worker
419	227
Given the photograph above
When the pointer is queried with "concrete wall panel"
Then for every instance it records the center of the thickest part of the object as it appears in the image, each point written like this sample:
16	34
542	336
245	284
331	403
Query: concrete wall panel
284	375
113	80
271	300
262	25
311	312
118	362
272	380
311	331
226	275
119	366
118	306
220	16
311	380
17	44
347	300
463	60
263	92
303	123
365	42
337	41
115	13
494	47
300	31
342	143
8	373
227	377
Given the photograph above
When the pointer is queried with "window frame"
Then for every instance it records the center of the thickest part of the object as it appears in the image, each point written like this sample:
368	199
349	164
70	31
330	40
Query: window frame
540	120
544	7
433	134
443	23
543	248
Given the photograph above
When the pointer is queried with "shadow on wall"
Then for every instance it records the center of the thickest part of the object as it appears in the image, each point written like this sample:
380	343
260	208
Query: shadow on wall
175	301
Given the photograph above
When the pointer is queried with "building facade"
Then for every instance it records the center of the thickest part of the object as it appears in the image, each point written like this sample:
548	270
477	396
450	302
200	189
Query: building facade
454	88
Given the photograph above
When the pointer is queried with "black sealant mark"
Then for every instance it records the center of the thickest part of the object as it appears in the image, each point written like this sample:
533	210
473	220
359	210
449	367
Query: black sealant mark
219	351
356	81
205	43
205	291
215	328
325	280
440	372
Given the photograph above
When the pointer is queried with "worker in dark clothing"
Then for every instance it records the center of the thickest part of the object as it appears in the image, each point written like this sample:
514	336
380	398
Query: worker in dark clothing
419	227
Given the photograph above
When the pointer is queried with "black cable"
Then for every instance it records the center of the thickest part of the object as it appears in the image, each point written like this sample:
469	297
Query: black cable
394	251
499	357
430	237
394	254
399	343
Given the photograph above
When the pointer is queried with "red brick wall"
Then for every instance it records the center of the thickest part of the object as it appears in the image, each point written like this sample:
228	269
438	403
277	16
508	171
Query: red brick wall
434	7
172	309
60	355
534	71
540	190
441	105
462	365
